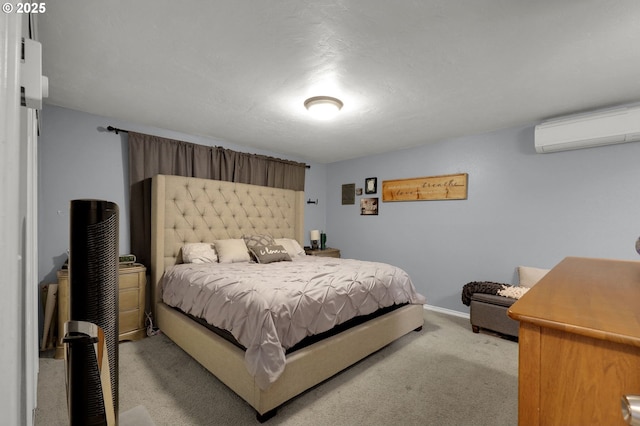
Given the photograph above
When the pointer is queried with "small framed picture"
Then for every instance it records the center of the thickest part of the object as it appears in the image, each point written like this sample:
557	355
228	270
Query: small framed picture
368	206
349	193
358	191
371	185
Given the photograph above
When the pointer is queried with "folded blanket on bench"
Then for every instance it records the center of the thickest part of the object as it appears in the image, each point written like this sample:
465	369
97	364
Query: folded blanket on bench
488	287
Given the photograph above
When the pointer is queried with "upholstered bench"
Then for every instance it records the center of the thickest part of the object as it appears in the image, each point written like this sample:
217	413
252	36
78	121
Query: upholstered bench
489	311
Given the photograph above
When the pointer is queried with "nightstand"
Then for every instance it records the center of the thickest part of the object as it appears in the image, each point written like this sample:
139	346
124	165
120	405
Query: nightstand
328	252
132	282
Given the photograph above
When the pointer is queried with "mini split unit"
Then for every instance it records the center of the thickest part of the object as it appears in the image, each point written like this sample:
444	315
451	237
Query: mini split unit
598	128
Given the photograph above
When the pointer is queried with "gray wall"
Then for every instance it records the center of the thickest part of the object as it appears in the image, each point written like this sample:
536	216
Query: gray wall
523	208
79	159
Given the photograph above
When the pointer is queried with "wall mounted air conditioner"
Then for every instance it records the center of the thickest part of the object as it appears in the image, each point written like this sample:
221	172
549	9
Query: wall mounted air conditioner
588	130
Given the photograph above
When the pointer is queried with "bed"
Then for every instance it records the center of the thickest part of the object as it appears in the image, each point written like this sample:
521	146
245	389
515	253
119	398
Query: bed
189	210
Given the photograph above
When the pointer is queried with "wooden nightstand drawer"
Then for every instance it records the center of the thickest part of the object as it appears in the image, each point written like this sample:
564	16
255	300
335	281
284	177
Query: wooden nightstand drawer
128	279
128	321
128	300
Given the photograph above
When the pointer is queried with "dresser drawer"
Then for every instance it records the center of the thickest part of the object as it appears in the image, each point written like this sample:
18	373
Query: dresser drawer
128	300
128	321
128	280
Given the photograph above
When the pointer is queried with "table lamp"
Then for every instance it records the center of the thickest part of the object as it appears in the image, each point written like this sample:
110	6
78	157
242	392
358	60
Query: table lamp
315	236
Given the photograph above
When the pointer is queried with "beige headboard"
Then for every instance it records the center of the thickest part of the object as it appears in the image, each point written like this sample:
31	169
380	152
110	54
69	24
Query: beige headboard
191	210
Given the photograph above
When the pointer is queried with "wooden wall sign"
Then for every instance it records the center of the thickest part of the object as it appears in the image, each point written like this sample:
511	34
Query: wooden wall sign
445	187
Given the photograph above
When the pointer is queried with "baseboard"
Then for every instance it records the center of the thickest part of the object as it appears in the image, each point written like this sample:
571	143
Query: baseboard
447	311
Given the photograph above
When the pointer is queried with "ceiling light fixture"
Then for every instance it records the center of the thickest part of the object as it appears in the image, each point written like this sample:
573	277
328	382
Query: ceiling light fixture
323	107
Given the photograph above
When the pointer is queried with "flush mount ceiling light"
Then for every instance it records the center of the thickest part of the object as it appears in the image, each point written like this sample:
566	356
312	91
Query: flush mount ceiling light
323	107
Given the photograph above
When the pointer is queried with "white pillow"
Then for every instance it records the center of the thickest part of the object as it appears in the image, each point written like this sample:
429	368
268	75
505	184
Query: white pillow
530	276
232	251
199	253
291	246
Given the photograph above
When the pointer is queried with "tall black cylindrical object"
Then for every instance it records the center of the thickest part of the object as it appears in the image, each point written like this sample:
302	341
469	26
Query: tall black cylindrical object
93	278
88	382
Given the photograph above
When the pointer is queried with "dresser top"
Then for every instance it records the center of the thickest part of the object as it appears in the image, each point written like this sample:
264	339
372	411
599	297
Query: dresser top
598	298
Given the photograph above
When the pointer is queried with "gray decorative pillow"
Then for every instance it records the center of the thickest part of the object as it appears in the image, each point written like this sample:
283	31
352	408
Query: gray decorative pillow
270	253
258	240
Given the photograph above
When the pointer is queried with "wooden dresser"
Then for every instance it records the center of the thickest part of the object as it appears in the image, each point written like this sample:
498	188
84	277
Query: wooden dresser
131	304
328	252
579	343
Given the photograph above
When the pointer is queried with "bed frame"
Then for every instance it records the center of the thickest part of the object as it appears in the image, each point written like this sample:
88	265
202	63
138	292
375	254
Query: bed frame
200	210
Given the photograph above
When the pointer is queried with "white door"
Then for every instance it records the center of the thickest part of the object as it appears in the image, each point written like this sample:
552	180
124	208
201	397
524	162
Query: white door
18	234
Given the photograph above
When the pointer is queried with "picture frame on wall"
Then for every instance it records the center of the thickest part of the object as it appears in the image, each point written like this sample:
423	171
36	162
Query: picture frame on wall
349	193
371	185
368	206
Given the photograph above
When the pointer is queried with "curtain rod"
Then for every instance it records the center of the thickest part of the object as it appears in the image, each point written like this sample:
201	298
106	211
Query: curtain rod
116	131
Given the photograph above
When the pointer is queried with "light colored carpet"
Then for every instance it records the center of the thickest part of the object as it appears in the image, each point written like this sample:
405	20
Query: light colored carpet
442	375
137	416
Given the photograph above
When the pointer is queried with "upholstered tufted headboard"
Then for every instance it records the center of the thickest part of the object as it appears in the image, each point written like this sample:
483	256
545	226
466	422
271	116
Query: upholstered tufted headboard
190	210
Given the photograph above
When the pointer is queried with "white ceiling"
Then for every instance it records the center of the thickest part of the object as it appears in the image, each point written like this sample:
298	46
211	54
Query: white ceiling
409	72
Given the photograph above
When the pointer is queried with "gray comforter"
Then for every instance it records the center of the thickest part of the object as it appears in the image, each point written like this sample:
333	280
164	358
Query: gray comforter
270	307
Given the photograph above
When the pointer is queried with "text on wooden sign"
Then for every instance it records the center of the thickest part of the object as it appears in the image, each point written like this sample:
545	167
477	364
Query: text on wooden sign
445	187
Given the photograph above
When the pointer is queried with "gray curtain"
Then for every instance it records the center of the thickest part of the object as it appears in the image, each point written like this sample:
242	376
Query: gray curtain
153	155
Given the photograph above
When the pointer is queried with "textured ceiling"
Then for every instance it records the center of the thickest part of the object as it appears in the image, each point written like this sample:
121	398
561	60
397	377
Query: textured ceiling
409	72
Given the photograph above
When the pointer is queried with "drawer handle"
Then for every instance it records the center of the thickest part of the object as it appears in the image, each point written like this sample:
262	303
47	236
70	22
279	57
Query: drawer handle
630	405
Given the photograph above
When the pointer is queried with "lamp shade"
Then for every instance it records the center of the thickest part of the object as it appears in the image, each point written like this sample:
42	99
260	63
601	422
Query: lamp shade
315	235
